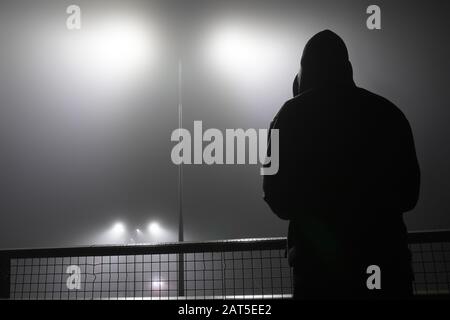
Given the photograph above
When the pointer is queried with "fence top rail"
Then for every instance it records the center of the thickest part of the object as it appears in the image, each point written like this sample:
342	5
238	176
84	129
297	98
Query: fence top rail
189	247
427	236
143	249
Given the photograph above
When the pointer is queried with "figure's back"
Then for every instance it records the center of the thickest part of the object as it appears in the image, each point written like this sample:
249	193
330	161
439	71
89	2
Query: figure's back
345	149
347	173
351	137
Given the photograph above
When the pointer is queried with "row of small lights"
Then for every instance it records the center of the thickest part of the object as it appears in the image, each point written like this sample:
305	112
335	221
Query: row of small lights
119	229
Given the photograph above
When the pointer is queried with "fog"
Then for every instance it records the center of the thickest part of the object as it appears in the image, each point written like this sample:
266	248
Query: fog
86	116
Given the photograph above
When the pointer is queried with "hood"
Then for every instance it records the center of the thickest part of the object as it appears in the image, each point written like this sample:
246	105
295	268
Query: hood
324	63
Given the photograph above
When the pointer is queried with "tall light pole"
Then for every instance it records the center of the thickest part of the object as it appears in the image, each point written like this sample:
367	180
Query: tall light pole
180	189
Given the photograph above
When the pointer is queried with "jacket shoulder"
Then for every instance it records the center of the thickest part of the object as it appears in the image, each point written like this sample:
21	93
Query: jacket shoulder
381	104
295	104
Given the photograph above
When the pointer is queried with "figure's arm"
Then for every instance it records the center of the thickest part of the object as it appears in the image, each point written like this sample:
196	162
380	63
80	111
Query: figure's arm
408	171
400	190
277	187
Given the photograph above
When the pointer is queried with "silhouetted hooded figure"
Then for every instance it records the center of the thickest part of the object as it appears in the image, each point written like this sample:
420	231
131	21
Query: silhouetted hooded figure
348	171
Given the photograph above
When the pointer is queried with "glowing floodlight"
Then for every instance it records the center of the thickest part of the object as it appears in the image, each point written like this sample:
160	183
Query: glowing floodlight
154	228
114	48
118	229
243	52
119	46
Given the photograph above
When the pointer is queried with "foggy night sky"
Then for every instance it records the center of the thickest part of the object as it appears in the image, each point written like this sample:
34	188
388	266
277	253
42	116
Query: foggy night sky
83	145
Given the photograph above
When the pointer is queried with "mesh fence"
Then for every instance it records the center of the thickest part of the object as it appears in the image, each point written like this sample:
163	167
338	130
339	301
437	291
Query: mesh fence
431	262
234	269
242	269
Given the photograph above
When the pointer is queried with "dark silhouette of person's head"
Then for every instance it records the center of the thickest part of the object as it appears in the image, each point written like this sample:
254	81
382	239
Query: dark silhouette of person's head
324	62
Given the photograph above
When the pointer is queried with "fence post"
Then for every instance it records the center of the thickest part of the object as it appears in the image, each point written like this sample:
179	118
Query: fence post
181	275
5	276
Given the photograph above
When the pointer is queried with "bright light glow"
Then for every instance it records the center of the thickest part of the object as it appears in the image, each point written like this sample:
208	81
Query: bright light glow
112	49
118	47
158	284
154	228
242	52
118	229
118	233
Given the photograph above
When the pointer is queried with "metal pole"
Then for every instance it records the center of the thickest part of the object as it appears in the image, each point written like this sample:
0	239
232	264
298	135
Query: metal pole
180	190
5	276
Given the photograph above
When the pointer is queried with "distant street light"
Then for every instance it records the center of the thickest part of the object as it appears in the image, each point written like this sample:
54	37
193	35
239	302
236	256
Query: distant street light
154	228
118	229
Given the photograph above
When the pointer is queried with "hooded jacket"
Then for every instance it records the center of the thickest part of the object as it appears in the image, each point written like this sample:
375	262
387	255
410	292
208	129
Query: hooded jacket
348	171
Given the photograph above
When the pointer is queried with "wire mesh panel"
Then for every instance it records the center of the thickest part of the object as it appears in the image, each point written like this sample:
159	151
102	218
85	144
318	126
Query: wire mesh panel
238	275
94	277
431	262
234	269
240	270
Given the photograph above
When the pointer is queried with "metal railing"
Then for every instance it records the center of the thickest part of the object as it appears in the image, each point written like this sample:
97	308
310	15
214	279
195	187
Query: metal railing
250	268
431	262
231	269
